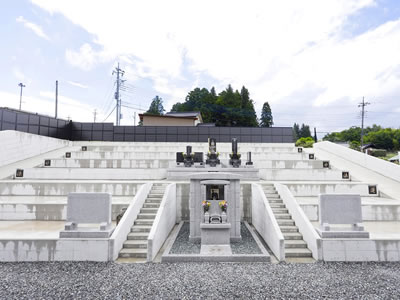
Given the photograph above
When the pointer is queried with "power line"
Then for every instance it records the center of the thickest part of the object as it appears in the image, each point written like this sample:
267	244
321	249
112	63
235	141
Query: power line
109	114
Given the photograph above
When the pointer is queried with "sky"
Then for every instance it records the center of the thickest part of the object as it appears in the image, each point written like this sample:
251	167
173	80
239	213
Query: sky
312	60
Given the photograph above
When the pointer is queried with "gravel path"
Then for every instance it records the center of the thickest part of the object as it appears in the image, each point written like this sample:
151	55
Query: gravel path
66	280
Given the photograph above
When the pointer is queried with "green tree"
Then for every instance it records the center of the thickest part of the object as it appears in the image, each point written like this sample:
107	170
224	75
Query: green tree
156	106
305	131
248	116
266	116
296	131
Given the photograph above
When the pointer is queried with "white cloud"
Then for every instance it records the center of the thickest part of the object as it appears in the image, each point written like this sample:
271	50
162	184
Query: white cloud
77	84
278	49
32	26
85	58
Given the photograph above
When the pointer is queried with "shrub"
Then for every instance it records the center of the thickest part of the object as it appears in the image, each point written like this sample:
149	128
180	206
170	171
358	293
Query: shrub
378	152
307	142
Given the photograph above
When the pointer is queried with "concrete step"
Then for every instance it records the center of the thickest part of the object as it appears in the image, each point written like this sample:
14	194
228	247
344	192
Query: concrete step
295	244
293	252
141	228
279	210
134	253
40	188
155	196
275	200
138	235
292	236
143	222
284	222
135	244
153	201
289	228
277	205
146	216
272	195
147	210
89	174
283	216
151	205
300	174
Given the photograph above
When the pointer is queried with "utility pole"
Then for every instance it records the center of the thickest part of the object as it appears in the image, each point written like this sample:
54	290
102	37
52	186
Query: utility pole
20	95
363	104
134	119
117	97
56	99
95	114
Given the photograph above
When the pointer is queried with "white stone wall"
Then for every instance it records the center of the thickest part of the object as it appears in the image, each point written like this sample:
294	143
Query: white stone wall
265	223
377	165
16	146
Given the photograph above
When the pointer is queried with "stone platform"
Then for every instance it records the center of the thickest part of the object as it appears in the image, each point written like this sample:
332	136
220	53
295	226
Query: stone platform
182	173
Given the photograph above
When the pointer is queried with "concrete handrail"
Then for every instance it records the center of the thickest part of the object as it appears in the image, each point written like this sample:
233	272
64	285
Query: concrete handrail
375	164
163	223
264	221
310	236
124	226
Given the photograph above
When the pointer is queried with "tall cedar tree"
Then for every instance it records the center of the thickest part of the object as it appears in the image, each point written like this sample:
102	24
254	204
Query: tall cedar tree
156	106
229	108
266	116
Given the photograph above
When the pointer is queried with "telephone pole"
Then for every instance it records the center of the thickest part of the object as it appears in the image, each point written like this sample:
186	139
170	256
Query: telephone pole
56	99
117	96
94	115
363	104
20	95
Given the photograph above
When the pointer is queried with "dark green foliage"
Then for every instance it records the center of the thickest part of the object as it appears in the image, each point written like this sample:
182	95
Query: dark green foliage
266	116
305	142
296	131
378	152
383	138
229	108
301	132
156	106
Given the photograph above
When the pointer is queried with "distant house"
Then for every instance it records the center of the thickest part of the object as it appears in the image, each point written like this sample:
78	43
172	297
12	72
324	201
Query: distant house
368	148
395	159
192	118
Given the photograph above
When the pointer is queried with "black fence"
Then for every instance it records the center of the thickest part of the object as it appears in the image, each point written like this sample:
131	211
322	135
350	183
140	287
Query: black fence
76	131
34	123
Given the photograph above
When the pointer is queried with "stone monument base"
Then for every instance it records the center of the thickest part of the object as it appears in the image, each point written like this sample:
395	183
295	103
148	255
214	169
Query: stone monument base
216	250
215	234
342	234
85	233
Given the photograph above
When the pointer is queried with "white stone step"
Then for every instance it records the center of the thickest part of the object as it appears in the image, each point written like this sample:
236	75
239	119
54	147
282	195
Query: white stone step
288	228
133	253
64	187
279	210
146	216
112	163
136	244
283	222
147	210
302	174
295	252
141	228
292	236
98	174
280	216
138	235
295	244
143	222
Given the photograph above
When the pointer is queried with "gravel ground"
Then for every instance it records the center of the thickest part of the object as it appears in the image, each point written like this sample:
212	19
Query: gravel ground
182	245
83	280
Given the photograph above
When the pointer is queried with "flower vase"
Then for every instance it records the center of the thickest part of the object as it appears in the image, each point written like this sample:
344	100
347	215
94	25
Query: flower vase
223	217
206	217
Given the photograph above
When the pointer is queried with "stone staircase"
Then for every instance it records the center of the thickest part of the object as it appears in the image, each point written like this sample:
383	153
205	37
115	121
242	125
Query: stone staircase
295	246
136	244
